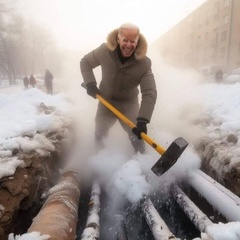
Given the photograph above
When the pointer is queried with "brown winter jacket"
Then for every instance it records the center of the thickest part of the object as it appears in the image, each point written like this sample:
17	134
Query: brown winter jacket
120	81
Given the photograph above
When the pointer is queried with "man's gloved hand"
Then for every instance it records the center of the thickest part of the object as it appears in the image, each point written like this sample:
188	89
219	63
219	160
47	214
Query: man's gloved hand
92	90
141	126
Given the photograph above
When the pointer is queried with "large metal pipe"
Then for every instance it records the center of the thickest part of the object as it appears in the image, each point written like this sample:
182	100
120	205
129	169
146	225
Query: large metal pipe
93	220
198	218
59	215
227	203
158	227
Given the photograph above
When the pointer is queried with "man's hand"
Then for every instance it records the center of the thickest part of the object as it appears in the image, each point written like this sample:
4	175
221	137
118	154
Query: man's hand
92	90
141	126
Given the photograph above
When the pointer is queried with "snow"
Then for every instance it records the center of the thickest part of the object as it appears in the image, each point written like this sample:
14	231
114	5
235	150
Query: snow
124	173
22	126
90	234
29	236
233	78
129	180
224	231
8	166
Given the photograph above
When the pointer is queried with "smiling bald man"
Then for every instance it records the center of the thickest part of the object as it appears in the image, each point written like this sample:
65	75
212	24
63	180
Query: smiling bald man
125	67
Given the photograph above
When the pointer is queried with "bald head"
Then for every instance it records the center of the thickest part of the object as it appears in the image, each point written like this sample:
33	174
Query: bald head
129	26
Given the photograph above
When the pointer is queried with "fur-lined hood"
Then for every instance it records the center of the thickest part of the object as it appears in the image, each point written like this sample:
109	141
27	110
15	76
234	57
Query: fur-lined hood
140	51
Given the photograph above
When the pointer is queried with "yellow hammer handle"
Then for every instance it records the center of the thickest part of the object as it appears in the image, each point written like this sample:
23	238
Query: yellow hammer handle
144	136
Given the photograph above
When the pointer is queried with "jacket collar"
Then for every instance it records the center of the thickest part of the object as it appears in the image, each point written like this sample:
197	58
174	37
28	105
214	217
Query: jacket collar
140	51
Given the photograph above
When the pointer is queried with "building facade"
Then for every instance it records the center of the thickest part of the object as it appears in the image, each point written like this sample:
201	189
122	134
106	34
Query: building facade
209	36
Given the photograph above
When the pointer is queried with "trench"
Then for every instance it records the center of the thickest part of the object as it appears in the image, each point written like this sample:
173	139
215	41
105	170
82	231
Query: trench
23	219
136	226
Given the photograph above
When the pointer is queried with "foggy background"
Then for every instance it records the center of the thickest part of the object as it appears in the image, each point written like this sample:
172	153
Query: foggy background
41	34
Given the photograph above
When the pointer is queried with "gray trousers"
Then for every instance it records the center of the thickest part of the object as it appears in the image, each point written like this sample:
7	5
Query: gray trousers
105	119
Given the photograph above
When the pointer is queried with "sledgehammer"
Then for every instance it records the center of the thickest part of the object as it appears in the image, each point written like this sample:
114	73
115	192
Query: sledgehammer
169	156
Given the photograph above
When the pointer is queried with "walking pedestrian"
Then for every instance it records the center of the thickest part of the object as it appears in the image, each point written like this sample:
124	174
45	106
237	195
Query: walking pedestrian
48	81
26	82
32	81
219	75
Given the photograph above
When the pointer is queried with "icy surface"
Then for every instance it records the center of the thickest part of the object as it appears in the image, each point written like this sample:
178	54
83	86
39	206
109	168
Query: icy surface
222	201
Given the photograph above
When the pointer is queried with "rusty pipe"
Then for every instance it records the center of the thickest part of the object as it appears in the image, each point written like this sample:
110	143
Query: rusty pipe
59	215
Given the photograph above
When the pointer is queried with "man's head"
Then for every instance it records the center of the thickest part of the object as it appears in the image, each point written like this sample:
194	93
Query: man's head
128	35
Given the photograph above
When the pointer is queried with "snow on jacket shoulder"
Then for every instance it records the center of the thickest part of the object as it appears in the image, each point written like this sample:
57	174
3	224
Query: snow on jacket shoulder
120	81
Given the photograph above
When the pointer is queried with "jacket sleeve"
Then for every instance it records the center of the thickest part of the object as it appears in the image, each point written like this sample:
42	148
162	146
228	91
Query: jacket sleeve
149	95
88	63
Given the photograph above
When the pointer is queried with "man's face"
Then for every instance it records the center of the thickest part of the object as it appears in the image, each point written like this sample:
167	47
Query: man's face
128	40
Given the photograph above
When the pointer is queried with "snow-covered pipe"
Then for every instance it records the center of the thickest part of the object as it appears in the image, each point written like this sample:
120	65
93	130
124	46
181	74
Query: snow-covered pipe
197	217
59	215
158	227
121	227
222	199
93	220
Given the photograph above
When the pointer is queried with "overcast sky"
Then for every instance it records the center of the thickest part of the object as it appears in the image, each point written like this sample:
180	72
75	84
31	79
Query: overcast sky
85	23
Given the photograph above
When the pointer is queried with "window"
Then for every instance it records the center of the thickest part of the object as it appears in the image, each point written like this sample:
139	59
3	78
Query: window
226	3
225	19
238	48
215	32
207	17
206	35
222	53
223	36
200	23
199	39
216	12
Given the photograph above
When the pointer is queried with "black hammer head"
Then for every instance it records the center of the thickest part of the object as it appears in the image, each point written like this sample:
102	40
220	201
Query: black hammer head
170	156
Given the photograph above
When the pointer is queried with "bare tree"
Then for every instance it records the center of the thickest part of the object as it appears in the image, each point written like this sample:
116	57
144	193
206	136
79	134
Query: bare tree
33	42
24	46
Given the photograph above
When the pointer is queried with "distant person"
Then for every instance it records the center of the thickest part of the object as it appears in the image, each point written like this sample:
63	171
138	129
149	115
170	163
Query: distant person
26	82
48	81
32	81
219	75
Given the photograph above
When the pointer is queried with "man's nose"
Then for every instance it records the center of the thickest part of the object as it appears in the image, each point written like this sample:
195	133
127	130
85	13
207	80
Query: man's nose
129	44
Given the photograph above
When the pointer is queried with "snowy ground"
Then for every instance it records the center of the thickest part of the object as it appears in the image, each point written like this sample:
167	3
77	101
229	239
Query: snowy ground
195	112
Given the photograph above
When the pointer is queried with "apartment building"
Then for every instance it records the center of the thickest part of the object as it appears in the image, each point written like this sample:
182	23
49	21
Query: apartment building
209	36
